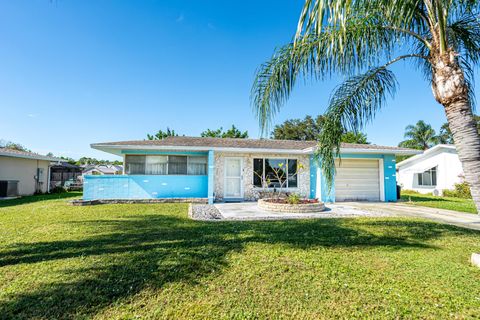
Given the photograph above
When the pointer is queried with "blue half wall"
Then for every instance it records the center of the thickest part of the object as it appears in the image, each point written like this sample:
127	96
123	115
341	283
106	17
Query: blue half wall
145	187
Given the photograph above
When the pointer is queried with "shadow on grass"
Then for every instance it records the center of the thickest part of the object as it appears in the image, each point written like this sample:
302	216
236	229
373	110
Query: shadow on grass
420	198
150	251
40	197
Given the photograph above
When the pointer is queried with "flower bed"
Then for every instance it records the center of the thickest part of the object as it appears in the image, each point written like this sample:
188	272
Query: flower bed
281	205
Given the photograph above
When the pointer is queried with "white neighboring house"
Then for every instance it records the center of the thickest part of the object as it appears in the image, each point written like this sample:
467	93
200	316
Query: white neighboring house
433	171
102	169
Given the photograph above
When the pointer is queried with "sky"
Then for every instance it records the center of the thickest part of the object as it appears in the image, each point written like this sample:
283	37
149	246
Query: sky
76	72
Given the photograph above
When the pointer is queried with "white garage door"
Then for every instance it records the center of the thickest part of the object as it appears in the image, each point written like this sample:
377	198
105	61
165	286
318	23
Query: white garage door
357	180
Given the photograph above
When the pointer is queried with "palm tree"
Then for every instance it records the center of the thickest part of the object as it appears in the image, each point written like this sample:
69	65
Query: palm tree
419	136
360	40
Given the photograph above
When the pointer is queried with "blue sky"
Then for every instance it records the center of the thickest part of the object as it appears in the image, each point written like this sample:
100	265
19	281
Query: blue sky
77	72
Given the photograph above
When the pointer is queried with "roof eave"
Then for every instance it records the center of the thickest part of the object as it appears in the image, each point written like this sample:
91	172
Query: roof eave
31	157
372	151
118	149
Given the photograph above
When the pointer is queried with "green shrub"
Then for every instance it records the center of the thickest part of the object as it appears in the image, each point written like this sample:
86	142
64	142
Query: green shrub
58	189
293	198
462	190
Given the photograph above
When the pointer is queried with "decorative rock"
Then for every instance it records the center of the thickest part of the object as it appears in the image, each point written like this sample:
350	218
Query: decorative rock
266	205
204	212
475	259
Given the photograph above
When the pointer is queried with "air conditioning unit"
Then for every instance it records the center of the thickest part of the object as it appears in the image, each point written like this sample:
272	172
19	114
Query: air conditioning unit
8	188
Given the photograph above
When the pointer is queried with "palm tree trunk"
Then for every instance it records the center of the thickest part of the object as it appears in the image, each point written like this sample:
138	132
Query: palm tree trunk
451	90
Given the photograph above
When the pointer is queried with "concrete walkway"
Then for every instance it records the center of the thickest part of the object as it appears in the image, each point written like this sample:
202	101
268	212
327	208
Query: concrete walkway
250	211
466	220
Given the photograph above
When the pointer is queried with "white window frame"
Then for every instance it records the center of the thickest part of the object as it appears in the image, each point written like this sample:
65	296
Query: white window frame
431	170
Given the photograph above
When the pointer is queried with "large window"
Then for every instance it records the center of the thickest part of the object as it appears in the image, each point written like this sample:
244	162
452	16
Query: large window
428	178
275	173
166	165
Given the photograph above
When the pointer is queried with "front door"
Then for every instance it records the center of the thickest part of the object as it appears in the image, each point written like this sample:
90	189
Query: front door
233	179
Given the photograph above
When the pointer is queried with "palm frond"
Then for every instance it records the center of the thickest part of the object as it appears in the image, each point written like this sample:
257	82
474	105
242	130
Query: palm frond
361	44
353	104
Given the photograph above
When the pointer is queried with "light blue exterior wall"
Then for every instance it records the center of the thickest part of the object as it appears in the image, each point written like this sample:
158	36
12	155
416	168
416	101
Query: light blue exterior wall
150	186
144	187
389	176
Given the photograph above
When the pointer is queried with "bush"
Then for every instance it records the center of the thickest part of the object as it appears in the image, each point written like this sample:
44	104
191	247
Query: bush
293	198
58	189
462	190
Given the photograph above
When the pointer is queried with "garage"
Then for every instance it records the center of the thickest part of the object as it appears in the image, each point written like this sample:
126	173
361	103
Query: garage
357	180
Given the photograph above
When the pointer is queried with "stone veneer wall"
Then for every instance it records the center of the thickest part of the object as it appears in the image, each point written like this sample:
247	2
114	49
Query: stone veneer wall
250	192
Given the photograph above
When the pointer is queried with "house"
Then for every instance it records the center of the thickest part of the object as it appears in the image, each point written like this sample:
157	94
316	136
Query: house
24	173
233	170
433	171
102	169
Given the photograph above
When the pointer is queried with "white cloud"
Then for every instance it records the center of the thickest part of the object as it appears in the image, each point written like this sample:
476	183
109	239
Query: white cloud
31	115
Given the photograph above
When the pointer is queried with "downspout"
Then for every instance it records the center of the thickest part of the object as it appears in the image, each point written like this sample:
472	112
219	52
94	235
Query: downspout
48	177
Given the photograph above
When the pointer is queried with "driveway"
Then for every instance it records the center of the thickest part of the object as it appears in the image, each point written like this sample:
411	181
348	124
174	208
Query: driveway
250	211
466	220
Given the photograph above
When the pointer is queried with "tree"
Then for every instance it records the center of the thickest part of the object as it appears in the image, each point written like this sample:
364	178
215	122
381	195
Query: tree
361	40
297	129
160	135
352	137
309	129
419	136
445	136
13	146
233	132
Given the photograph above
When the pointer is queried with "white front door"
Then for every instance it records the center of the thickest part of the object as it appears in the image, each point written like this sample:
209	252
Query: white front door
233	178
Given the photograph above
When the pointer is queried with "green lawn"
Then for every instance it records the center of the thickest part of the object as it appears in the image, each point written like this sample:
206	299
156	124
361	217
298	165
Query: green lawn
151	261
457	204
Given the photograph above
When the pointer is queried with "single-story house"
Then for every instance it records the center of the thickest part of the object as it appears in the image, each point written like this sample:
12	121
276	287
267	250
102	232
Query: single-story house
102	169
24	173
433	171
220	169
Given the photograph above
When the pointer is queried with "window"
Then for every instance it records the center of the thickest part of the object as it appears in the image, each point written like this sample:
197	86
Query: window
135	164
166	165
156	165
428	178
275	172
177	165
197	166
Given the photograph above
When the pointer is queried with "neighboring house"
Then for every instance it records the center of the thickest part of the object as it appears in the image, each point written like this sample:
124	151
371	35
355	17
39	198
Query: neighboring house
62	174
102	169
433	171
24	173
222	169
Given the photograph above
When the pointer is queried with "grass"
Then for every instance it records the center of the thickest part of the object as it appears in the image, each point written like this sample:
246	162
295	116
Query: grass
151	261
456	204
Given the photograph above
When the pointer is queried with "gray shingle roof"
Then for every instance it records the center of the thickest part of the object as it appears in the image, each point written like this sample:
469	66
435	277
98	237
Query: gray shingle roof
183	141
26	155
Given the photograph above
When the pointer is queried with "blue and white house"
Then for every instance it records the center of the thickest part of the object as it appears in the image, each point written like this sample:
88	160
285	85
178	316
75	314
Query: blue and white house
218	169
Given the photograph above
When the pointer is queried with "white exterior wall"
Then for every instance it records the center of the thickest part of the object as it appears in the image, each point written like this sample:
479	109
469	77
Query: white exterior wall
24	170
449	172
250	191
